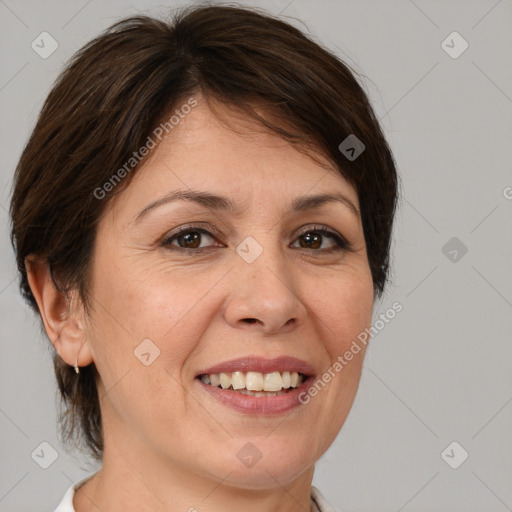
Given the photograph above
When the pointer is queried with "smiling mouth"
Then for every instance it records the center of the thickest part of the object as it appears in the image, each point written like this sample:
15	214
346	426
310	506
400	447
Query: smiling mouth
255	383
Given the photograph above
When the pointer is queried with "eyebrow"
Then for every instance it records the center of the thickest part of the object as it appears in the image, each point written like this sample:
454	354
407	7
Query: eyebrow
223	203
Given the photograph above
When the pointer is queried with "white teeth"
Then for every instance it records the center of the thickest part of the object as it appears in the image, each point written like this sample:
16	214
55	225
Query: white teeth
260	393
272	382
238	380
225	380
255	383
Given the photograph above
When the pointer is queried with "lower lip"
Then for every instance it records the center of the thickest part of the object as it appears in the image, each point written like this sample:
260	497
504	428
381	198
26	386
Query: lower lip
262	405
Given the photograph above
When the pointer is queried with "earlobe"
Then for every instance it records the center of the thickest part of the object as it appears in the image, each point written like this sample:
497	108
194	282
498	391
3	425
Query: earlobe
64	326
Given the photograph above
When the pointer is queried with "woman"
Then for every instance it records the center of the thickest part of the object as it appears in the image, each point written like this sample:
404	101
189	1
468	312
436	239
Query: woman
202	219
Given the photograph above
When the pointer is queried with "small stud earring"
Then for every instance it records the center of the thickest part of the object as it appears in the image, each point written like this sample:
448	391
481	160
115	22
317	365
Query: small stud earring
76	366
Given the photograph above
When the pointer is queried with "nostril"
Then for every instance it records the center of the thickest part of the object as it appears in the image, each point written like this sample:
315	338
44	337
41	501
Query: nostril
250	320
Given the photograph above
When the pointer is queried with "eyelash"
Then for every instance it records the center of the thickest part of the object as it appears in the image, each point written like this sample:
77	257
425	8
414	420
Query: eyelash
341	243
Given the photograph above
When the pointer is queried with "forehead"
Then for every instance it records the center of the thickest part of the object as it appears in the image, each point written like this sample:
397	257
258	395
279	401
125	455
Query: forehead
227	153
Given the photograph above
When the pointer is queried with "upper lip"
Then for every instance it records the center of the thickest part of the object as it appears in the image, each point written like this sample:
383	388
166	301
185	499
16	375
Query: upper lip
261	364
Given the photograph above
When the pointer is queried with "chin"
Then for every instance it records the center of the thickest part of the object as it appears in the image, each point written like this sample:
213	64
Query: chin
264	477
264	464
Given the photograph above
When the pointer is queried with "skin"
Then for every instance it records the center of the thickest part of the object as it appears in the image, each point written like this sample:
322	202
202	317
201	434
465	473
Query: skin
168	444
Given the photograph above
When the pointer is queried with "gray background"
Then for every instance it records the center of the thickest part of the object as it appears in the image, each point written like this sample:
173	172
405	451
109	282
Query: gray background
440	371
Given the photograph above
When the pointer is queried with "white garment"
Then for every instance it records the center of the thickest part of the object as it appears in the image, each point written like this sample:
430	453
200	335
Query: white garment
318	502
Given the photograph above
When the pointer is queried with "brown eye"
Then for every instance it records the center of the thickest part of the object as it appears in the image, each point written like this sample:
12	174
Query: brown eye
311	241
314	238
188	239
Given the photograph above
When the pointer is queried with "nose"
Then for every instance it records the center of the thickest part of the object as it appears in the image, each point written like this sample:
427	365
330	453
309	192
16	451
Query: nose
263	297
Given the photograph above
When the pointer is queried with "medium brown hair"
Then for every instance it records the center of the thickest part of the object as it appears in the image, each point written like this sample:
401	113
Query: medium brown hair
118	87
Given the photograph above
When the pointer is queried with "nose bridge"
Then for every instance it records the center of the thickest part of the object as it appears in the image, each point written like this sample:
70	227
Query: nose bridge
261	254
263	293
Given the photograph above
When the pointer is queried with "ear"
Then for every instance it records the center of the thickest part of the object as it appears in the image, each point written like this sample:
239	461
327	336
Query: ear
64	325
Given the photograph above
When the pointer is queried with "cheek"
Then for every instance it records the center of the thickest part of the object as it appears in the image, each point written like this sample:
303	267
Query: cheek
141	318
343	305
165	305
343	308
140	303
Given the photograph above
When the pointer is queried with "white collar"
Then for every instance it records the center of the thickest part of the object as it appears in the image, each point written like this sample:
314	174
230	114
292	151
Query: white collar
66	505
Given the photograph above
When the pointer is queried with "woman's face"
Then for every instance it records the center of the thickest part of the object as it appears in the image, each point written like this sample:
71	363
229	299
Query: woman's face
255	281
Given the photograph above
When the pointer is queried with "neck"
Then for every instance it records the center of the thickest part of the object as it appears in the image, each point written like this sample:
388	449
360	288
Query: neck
134	479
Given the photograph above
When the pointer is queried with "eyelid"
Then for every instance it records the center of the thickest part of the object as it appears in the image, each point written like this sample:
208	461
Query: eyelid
324	230
203	227
315	227
214	232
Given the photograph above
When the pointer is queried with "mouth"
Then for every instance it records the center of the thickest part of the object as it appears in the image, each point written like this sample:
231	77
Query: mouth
257	385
